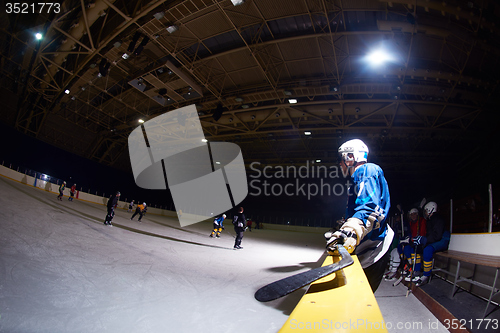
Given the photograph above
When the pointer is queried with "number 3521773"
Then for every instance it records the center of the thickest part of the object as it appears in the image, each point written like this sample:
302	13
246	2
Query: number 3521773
471	323
32	8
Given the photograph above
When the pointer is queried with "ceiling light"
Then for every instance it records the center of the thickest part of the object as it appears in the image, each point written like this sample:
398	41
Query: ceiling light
141	121
173	28
287	92
238	99
307	133
204	140
38	36
318	161
125	56
159	15
66	91
237	2
292	100
245	106
378	57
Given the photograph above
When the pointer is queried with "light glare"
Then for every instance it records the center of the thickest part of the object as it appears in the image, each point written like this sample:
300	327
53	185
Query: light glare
378	57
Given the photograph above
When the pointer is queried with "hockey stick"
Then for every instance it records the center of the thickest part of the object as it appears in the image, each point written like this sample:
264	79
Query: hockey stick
289	284
412	272
229	233
401	269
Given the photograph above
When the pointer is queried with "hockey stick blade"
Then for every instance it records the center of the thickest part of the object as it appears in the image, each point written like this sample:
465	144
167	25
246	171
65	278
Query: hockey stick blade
398	281
289	284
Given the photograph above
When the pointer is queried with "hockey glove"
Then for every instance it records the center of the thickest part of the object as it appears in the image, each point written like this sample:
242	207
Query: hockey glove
420	240
350	234
405	240
345	236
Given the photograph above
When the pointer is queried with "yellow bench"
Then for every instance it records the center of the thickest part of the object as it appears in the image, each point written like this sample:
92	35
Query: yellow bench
340	302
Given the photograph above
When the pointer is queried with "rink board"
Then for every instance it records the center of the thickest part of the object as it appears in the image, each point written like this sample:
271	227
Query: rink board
340	302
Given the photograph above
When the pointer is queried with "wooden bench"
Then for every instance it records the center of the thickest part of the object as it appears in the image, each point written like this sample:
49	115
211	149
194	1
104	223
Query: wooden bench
475	259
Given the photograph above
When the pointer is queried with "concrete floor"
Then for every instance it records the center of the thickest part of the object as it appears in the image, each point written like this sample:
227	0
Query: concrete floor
62	270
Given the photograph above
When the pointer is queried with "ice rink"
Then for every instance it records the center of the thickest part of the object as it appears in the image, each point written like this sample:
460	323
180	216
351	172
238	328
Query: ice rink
63	270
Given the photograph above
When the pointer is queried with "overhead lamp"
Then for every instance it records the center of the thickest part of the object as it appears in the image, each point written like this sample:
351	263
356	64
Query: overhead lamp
307	133
237	2
125	56
292	100
245	106
141	121
318	161
238	99
204	140
67	91
159	15
38	36
378	57
172	28
287	92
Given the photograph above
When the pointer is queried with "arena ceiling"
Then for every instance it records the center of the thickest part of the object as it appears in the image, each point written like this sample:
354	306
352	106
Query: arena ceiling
436	101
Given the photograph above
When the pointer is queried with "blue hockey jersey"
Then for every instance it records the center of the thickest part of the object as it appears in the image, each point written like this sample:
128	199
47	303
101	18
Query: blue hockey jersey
219	220
369	201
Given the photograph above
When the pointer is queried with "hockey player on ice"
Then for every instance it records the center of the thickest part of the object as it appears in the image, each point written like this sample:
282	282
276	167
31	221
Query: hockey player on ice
365	231
218	226
112	204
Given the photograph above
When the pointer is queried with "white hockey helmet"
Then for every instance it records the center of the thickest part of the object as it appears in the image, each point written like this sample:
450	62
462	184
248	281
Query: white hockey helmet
357	148
430	208
413	211
144	204
224	215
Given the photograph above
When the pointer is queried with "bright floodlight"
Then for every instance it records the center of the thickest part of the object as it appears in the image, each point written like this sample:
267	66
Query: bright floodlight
38	36
141	121
378	57
67	91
